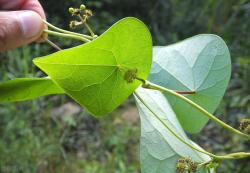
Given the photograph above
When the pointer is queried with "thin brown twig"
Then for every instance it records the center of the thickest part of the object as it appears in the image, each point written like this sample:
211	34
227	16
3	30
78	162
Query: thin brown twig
53	44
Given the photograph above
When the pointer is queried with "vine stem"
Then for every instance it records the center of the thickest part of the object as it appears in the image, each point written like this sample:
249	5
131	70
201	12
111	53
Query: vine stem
237	155
66	31
66	35
150	85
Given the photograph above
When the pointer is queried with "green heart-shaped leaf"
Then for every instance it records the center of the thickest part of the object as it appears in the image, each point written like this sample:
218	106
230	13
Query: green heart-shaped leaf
21	89
159	148
201	64
94	74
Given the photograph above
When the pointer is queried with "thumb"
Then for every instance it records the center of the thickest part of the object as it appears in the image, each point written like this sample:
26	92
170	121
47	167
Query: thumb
18	28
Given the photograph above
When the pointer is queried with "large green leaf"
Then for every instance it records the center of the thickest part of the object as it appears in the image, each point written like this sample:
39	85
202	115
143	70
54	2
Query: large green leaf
160	149
93	74
201	64
21	89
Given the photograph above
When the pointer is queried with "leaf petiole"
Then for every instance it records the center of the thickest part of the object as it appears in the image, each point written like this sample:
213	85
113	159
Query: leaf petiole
66	35
67	32
149	85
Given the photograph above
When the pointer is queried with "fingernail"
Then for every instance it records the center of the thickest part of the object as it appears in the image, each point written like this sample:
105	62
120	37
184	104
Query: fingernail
31	23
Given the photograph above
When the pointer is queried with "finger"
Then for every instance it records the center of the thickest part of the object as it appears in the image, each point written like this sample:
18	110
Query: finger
32	5
11	4
18	28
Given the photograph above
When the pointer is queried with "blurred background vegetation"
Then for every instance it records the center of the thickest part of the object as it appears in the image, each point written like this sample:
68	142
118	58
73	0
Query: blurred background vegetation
54	135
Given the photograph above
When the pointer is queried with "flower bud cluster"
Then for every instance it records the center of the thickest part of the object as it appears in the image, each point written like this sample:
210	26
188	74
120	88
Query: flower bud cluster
245	125
186	164
82	12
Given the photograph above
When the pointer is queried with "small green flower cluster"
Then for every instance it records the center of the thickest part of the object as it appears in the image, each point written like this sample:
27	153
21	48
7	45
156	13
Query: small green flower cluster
186	164
82	12
245	125
130	75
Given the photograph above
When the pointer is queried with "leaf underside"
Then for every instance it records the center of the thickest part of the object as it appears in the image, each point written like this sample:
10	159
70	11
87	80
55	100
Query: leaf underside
93	73
159	149
201	64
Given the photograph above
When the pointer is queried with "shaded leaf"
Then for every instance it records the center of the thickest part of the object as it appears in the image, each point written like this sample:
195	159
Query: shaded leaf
201	64
160	149
93	74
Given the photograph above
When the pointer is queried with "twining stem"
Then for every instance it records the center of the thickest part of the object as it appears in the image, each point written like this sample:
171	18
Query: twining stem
53	44
237	155
66	35
150	85
66	32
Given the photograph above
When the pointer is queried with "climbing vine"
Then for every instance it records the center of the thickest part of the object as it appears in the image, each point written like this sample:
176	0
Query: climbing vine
177	87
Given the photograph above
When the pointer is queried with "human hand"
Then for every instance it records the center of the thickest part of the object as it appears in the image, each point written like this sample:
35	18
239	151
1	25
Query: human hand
20	23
